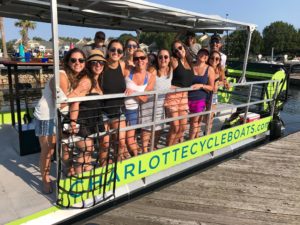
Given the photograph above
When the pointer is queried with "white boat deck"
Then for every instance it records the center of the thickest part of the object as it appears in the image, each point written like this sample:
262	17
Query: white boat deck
20	180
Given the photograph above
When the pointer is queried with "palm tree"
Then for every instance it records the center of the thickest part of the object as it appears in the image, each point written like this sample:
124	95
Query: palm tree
25	25
3	38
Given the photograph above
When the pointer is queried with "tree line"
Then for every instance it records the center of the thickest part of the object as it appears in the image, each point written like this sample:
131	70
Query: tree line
281	36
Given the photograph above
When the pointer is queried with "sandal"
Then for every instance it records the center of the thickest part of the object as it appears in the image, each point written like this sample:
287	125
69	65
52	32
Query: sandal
47	188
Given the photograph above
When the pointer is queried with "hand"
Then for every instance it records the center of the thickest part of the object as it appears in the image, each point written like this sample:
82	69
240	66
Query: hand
196	86
74	128
226	85
129	91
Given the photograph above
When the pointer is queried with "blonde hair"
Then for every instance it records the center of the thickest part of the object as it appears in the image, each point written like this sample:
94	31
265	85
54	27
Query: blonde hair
140	50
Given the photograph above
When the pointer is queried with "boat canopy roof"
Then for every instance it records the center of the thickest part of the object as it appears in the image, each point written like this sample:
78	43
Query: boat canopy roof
130	15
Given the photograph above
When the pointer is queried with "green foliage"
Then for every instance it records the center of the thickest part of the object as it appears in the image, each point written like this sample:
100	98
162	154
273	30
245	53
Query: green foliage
25	25
124	37
282	36
237	41
67	39
162	40
38	39
10	46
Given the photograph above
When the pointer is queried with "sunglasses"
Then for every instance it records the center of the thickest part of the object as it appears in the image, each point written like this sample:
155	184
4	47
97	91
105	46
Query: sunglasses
215	42
95	62
178	49
74	60
137	58
118	50
132	46
100	38
163	56
215	58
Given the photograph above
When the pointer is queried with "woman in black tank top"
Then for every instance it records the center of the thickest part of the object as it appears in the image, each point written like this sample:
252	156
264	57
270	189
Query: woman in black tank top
88	114
177	103
113	82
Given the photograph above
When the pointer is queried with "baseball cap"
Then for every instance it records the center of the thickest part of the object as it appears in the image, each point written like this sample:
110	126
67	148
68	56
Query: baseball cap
100	35
215	38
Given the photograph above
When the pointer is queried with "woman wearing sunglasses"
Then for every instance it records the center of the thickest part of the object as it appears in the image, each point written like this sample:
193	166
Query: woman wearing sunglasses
74	68
131	46
163	82
203	83
177	103
138	79
214	61
113	82
88	114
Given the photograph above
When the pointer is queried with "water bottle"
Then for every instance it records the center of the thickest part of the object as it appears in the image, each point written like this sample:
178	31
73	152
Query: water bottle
21	52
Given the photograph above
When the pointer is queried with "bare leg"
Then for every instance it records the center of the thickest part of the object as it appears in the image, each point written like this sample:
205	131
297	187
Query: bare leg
131	142
104	149
47	144
122	136
174	128
146	135
194	127
182	126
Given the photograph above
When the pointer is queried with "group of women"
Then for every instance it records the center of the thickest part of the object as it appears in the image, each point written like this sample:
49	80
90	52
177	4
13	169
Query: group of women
125	70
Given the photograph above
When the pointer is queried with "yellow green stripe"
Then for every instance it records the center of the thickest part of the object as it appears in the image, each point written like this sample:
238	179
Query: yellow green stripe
35	215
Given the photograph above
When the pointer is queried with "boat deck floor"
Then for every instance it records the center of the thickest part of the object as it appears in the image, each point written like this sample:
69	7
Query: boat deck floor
20	180
259	187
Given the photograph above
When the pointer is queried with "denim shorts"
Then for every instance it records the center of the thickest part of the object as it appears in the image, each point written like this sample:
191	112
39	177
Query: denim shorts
44	127
132	116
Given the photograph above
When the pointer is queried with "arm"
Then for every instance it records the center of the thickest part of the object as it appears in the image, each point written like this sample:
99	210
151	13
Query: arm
174	63
74	108
223	80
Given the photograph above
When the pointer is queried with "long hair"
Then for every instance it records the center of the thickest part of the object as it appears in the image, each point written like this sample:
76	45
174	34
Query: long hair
134	40
170	66
219	68
74	80
90	75
176	56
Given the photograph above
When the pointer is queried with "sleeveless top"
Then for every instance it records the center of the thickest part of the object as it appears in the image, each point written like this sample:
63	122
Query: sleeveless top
90	117
182	77
45	109
131	103
112	82
199	94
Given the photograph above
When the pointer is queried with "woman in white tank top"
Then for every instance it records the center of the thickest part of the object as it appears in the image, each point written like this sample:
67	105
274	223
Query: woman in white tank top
137	80
74	64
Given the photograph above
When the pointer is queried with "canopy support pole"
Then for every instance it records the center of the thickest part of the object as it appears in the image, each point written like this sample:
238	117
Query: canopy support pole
55	45
250	31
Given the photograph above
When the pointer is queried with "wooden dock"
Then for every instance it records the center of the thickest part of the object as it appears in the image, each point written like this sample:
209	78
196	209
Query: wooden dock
259	187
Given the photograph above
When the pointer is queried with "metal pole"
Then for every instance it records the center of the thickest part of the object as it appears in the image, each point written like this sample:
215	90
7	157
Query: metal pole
54	26
227	45
250	31
248	101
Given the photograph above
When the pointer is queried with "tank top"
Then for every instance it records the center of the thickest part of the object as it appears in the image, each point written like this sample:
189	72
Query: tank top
132	103
199	94
90	116
45	109
112	82
182	77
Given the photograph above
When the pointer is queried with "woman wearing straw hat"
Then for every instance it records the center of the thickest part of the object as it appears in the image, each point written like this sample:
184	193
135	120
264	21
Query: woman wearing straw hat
88	114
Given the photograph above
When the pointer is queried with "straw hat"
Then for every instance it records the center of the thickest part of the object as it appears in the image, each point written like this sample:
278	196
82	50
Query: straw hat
95	54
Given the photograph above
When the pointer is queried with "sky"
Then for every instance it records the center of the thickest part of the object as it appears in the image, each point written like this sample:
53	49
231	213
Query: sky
259	12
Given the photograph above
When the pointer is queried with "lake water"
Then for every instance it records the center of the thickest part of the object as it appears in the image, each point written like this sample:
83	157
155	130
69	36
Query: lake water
291	112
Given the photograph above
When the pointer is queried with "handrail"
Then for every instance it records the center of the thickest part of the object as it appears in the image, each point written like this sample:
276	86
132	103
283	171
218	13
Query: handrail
112	96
